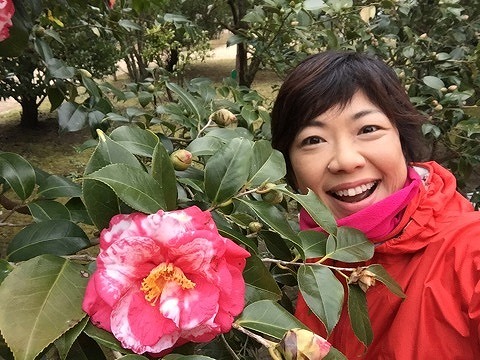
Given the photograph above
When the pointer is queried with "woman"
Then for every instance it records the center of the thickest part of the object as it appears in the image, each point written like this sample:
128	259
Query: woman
349	132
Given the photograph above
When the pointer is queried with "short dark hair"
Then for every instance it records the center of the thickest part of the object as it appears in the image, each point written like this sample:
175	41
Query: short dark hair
330	79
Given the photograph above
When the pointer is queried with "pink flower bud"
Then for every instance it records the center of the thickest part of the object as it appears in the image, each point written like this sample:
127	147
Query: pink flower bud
302	344
181	159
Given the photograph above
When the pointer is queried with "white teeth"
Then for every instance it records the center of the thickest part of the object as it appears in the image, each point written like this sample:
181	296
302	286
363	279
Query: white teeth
356	190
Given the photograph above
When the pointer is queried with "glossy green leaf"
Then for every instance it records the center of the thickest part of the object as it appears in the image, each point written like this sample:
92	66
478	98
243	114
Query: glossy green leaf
194	107
58	186
44	300
260	283
72	117
226	172
267	164
206	145
334	354
58	237
314	207
322	292
276	245
349	245
110	152
269	318
85	348
358	313
18	173
383	276
78	211
5	269
274	218
135	139
104	338
65	342
164	173
135	187
100	200
313	243
433	82
48	209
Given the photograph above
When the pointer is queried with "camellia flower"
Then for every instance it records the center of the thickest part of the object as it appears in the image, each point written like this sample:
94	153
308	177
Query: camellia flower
6	12
111	4
165	279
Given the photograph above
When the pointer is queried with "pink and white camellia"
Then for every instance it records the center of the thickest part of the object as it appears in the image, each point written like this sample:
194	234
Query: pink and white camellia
6	12
165	279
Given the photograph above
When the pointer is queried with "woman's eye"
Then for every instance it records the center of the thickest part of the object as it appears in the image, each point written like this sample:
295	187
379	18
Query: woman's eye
312	140
369	129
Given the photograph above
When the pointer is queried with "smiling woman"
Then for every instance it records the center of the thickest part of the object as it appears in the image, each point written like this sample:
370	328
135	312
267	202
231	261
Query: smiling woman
349	132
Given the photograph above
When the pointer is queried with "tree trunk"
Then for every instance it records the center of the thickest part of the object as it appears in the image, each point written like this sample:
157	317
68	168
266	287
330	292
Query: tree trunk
29	118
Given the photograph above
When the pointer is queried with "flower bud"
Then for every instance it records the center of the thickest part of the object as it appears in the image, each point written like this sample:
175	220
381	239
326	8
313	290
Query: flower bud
452	87
85	73
223	117
363	277
302	344
255	226
444	89
423	36
438	107
181	159
151	88
273	197
294	23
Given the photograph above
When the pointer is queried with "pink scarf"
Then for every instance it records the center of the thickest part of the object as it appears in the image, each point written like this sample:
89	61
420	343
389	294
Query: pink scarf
379	219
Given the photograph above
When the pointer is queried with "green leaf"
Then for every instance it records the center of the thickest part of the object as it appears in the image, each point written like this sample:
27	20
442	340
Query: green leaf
100	200
433	82
18	173
104	338
72	117
57	186
270	214
269	318
205	146
358	313
58	237
136	140
5	269
194	107
48	209
267	164
314	207
322	292
349	245
65	342
164	173
44	300
133	186
226	172
383	276
260	283
313	243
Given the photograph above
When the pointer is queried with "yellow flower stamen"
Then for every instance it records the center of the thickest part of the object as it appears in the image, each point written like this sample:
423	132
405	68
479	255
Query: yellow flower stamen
154	283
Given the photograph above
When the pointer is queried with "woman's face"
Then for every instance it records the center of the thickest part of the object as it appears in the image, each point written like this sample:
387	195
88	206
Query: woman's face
350	158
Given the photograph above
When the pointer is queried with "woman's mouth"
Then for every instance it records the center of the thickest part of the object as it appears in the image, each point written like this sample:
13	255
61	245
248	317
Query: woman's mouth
355	194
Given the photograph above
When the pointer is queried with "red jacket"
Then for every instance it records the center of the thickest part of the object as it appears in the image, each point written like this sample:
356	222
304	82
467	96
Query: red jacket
435	257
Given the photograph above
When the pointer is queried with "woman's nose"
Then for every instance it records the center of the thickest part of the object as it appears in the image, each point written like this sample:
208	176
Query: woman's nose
346	158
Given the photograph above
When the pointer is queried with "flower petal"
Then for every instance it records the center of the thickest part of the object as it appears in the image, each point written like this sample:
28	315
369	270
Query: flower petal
94	306
141	327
